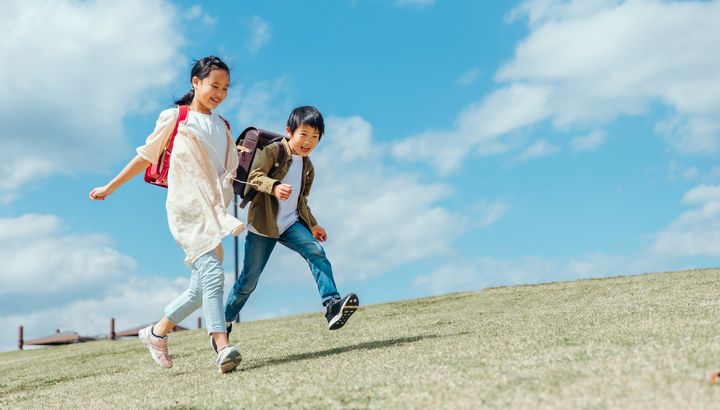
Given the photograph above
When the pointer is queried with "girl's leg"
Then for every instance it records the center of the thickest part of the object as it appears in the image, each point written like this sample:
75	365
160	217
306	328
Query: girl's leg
257	252
180	308
299	238
212	278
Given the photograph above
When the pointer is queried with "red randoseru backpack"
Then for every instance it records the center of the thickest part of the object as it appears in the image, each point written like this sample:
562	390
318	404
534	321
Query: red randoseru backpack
157	174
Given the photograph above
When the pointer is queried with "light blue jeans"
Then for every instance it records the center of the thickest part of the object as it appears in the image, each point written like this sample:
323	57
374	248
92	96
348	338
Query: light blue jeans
206	290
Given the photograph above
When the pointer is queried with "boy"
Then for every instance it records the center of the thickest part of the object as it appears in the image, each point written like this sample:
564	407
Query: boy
280	213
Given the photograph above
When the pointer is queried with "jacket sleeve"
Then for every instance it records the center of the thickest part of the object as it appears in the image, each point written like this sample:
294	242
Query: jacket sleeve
309	178
157	140
261	166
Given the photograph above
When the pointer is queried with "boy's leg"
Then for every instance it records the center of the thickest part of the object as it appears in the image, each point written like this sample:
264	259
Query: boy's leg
299	238
257	252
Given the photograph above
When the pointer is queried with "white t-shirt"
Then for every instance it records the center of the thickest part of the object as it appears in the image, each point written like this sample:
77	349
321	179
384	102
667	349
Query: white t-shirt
287	212
211	130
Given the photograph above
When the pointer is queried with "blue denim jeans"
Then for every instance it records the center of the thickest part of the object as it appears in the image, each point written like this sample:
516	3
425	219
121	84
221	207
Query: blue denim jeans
257	252
206	290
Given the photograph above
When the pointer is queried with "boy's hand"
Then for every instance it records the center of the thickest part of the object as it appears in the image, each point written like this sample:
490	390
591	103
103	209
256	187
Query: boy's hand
319	233
282	191
100	193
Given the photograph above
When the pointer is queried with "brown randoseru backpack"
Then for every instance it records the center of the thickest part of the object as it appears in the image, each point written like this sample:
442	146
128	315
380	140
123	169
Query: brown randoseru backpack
248	143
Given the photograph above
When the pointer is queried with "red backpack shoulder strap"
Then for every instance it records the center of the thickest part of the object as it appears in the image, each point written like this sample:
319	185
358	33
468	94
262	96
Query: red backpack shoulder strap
182	116
227	123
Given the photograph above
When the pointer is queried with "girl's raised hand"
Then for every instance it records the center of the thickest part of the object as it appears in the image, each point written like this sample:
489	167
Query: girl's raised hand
99	193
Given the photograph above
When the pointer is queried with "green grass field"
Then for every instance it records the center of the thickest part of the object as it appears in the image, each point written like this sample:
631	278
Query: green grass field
628	342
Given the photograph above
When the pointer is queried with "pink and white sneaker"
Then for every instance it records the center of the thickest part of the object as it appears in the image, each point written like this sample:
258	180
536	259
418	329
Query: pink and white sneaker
157	346
228	359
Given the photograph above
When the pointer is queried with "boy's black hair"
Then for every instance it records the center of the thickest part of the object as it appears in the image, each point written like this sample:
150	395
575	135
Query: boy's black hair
306	115
202	68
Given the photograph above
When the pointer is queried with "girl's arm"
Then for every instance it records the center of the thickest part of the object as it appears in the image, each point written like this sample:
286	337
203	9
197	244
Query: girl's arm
134	167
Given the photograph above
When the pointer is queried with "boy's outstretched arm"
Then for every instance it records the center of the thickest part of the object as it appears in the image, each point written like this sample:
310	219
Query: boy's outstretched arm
134	167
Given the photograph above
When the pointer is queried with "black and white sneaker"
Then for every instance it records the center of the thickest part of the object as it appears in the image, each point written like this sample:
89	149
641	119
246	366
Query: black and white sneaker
212	341
340	310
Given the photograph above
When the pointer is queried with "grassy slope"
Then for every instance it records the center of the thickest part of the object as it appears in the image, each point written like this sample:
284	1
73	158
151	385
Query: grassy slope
630	342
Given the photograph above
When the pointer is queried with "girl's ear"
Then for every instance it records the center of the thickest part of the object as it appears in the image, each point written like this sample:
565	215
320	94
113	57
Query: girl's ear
289	133
195	83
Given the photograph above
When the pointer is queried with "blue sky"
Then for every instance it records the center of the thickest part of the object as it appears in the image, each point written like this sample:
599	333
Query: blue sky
468	144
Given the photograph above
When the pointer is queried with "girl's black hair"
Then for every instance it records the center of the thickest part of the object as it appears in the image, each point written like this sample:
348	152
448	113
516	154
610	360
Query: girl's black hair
306	115
201	70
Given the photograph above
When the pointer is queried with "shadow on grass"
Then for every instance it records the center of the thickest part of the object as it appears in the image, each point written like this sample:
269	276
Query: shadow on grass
378	344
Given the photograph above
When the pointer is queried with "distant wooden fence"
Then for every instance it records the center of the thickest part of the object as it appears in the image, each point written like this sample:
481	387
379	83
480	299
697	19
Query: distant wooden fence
63	338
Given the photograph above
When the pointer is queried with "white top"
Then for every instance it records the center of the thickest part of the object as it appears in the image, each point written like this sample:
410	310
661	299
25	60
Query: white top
211	131
197	197
287	212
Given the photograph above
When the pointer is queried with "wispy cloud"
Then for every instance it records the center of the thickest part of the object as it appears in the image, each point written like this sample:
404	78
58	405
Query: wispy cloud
487	213
539	149
588	142
260	34
696	232
469	76
414	3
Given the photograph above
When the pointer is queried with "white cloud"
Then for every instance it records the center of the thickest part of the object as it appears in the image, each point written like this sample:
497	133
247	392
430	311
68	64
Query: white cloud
678	172
696	232
380	218
588	142
585	63
265	104
53	279
478	126
539	149
609	58
77	70
196	13
40	259
415	3
469	76
487	213
260	33
481	272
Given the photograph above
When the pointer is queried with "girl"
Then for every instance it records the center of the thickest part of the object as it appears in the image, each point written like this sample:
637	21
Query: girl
202	165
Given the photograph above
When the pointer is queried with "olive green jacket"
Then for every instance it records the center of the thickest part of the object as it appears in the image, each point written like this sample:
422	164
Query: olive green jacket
264	207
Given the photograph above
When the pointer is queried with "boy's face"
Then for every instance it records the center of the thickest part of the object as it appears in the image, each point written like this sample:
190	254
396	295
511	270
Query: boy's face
303	140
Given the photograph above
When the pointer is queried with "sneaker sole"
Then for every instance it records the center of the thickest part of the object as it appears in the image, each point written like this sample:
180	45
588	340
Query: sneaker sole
347	309
231	362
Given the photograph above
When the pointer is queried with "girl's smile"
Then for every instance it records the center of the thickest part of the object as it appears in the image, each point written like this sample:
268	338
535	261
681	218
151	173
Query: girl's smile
210	91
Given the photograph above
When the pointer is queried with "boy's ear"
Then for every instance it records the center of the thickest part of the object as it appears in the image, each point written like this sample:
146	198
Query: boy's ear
288	131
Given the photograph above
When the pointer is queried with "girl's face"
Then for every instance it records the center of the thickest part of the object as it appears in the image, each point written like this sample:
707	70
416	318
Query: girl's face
210	91
303	140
